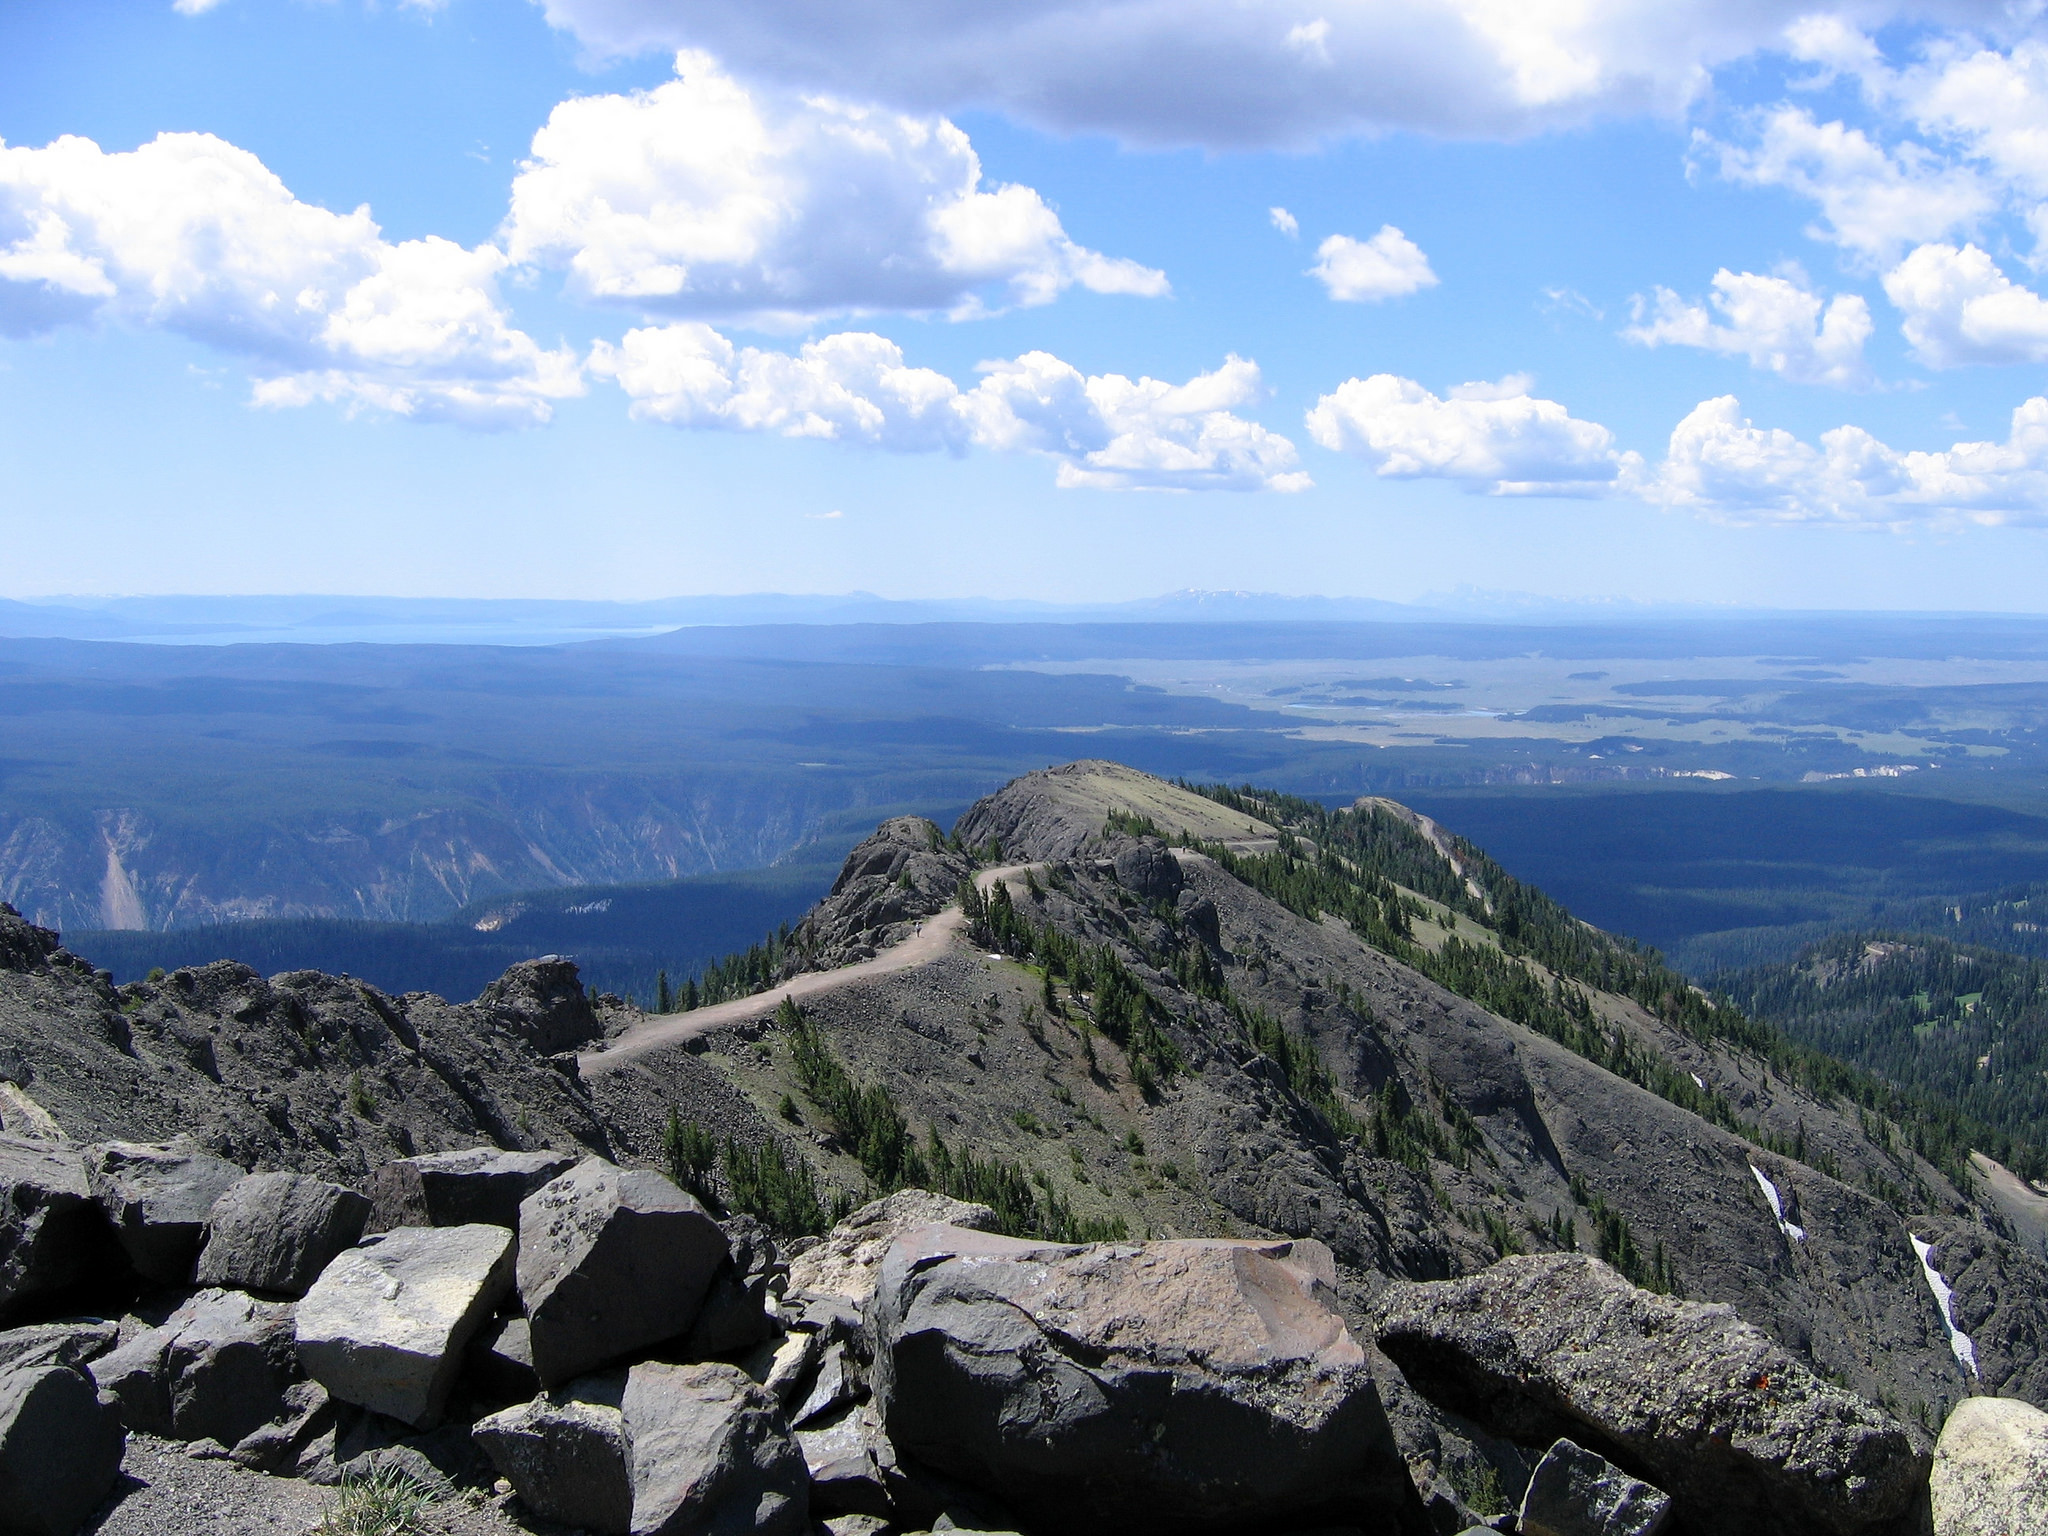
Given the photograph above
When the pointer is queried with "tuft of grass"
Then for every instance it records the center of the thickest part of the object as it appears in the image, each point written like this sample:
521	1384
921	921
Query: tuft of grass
380	1502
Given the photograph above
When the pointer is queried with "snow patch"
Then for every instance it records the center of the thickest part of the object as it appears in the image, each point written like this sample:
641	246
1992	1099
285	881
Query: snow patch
1944	1299
1698	1081
1791	1230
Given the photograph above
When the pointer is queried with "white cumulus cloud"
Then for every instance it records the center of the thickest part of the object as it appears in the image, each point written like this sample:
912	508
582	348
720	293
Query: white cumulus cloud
1284	221
1722	465
1777	323
705	197
1875	199
192	235
1105	431
1388	266
1494	437
1233	73
1960	309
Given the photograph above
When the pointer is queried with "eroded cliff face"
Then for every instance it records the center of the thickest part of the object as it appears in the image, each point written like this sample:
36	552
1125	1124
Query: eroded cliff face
132	868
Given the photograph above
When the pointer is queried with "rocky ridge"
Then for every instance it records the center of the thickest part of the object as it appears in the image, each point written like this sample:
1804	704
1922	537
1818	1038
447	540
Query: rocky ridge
1150	1044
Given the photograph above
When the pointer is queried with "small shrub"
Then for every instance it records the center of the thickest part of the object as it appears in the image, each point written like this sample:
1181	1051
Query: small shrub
359	1099
383	1502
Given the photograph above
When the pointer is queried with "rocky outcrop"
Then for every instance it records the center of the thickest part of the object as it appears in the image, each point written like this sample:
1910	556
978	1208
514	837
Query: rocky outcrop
1744	1437
453	1189
611	1260
317	1074
904	872
1990	1473
1168	1387
278	1231
158	1199
543	1003
60	1448
1576	1493
386	1324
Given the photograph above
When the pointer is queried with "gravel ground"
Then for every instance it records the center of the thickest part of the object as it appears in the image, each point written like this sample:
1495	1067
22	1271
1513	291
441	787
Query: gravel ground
164	1492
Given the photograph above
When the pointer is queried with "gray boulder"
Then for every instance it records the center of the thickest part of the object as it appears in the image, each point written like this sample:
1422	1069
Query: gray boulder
454	1189
52	1233
157	1199
278	1231
216	1369
60	1448
1576	1493
711	1455
845	1261
1990	1473
1745	1438
611	1260
77	1342
386	1324
1167	1387
566	1454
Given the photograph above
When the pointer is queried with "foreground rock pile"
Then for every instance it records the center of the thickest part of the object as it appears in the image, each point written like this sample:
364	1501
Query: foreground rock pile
591	1343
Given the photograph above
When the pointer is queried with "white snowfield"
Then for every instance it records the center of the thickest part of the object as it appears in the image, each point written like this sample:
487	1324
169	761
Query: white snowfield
1791	1230
1944	1301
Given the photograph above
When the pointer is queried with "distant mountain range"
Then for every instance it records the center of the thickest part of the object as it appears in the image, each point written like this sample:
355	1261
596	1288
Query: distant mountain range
312	618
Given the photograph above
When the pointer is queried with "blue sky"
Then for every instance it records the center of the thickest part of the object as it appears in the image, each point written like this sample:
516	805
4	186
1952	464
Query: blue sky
1720	303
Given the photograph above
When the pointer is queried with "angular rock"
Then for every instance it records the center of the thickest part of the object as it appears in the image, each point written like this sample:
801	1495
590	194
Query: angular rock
1167	1387
1576	1493
611	1260
78	1343
278	1231
385	1325
836	1384
51	1231
454	1189
216	1369
157	1199
844	1263
845	1475
500	1364
711	1454
1990	1473
304	1412
1743	1437
566	1454
60	1447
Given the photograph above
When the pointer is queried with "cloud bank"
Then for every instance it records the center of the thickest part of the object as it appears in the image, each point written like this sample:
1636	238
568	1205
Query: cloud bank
1238	73
1501	440
1106	431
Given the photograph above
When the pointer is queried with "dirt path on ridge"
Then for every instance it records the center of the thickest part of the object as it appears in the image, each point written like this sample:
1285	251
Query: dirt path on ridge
934	939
